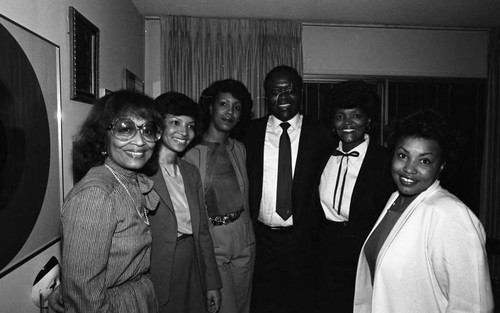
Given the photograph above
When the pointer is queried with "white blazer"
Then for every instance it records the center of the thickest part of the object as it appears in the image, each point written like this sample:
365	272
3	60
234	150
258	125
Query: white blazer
432	261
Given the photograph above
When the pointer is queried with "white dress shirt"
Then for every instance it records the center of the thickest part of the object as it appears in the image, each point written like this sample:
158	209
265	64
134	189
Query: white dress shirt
329	179
267	213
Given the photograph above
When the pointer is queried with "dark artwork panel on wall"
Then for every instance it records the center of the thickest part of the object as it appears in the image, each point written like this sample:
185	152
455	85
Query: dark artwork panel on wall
30	175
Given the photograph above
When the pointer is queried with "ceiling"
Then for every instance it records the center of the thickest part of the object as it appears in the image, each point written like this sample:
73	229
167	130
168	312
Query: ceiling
425	13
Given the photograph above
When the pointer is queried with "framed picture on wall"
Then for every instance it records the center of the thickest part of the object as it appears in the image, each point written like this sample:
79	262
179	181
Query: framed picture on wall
84	48
133	82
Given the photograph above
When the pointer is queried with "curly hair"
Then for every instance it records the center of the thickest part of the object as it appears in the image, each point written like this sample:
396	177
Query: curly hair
426	123
238	90
353	94
89	146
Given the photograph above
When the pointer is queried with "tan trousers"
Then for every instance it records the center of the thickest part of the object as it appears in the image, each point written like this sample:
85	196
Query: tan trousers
235	260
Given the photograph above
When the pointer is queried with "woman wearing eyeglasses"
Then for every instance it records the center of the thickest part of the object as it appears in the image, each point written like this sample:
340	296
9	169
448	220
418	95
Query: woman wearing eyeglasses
183	267
106	240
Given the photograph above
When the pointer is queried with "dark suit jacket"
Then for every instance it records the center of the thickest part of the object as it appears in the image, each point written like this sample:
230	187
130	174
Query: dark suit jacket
371	191
315	141
163	225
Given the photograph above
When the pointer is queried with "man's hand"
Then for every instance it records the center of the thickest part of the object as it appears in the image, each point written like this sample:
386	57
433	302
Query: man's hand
214	299
55	301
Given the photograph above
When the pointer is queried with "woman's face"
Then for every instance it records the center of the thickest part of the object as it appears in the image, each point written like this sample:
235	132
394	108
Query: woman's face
225	112
133	153
350	125
178	132
416	165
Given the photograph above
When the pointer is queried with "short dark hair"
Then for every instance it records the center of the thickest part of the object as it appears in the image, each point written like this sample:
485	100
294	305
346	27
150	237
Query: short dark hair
178	104
90	142
283	68
353	94
238	90
426	123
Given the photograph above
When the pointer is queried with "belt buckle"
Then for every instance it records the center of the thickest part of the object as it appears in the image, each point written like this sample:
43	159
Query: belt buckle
225	219
278	228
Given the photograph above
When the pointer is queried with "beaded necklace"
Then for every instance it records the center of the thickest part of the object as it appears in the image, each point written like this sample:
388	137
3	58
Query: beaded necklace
144	214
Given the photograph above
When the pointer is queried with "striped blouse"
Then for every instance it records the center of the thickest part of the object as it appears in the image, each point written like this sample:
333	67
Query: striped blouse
106	245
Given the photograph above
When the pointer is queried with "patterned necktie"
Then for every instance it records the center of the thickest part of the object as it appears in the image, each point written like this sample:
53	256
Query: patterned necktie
284	188
344	155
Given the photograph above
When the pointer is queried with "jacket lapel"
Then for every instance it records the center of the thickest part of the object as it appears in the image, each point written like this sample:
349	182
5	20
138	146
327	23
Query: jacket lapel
362	184
161	189
402	220
190	190
255	162
196	155
303	151
259	149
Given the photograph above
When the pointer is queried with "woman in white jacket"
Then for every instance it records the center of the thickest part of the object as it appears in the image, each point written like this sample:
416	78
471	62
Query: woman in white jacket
426	252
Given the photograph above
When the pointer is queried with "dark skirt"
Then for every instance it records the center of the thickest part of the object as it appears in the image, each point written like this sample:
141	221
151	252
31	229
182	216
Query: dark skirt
186	294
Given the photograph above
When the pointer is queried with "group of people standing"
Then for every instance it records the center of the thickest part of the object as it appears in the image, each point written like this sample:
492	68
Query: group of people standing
174	214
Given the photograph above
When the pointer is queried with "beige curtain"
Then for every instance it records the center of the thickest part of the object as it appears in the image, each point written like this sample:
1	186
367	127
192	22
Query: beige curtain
490	176
197	51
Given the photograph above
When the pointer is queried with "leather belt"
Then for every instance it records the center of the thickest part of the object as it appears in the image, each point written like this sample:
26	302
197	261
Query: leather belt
275	228
337	224
225	219
183	236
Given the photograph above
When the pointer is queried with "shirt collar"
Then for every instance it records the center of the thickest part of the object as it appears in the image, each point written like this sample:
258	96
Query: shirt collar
145	183
130	175
295	122
361	149
171	170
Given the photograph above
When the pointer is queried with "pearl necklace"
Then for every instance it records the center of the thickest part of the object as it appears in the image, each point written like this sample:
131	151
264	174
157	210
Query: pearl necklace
144	214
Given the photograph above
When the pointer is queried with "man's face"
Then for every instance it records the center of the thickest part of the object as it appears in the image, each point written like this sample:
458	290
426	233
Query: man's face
284	95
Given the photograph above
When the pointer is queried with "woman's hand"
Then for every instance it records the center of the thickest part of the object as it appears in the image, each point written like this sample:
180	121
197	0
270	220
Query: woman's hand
55	301
214	299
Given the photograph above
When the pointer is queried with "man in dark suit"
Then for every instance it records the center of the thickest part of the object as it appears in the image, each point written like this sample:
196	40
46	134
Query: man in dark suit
284	150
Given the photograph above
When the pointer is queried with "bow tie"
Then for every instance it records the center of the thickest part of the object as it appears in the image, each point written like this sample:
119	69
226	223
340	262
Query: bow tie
343	155
340	153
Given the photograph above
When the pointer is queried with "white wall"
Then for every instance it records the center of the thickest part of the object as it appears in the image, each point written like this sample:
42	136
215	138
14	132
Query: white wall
153	78
121	46
377	51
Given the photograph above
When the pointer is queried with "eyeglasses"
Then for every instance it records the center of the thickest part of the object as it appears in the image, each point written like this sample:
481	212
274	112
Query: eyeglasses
125	129
287	89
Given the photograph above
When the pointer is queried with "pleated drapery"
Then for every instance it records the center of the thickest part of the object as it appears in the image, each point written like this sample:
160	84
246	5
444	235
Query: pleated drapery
197	51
